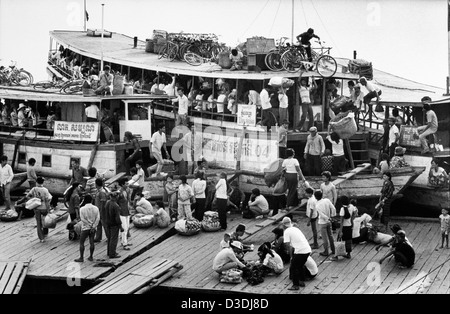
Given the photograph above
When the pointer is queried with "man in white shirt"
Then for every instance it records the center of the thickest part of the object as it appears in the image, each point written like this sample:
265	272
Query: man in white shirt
326	211
169	89
266	106
6	177
157	142
183	105
394	137
430	127
92	113
300	251
373	90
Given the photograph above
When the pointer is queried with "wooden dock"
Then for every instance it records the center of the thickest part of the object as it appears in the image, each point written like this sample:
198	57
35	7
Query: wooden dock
54	259
430	274
12	275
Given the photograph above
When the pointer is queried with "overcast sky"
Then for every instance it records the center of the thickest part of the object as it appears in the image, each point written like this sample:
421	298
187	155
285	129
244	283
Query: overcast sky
405	38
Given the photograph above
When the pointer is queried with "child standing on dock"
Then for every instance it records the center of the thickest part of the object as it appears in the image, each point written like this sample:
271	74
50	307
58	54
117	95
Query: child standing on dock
328	188
185	194
31	173
445	226
172	195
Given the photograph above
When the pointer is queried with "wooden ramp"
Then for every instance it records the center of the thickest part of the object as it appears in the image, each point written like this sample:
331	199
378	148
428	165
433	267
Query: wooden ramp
137	276
12	275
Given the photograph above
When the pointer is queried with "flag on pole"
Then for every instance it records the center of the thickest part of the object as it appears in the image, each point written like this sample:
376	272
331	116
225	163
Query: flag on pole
87	15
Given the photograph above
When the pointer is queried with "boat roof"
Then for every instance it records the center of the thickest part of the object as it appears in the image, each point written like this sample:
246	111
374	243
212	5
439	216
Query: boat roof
120	49
28	93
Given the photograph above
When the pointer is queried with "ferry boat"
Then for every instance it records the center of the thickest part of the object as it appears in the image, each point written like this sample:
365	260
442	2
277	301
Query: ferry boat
223	139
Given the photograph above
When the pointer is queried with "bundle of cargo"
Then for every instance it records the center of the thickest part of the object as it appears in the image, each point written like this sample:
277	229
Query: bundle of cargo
361	67
188	227
8	216
210	221
279	81
143	221
344	125
260	45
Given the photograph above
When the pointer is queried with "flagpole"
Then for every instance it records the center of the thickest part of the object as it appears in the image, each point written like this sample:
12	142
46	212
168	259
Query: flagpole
292	30
103	30
85	15
448	50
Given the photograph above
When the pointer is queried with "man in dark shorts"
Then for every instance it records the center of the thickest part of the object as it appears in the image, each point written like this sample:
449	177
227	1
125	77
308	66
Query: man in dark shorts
304	39
403	251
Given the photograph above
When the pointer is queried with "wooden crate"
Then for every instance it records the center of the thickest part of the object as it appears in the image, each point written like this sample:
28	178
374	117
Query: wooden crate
260	46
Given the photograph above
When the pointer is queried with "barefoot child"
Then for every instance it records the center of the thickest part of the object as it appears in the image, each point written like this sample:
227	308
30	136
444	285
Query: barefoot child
445	226
172	194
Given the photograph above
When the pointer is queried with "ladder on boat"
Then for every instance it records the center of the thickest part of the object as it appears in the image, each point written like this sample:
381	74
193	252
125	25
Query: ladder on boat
358	151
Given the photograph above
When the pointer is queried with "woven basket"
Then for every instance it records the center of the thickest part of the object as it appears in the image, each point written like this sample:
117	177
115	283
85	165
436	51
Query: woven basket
140	223
345	128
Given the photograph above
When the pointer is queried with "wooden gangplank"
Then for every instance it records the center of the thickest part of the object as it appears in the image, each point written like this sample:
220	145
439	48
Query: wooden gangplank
138	275
351	174
116	178
12	275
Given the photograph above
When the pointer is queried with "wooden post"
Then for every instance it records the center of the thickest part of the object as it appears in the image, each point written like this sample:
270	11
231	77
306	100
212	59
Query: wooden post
324	101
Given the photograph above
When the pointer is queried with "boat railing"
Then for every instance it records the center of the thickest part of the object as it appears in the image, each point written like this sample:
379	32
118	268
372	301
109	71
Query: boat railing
66	72
204	114
33	132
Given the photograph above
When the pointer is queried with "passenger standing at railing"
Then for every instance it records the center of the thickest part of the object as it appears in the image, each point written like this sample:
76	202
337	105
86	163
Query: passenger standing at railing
373	89
267	119
430	127
183	104
305	98
21	118
13	116
304	39
394	137
92	113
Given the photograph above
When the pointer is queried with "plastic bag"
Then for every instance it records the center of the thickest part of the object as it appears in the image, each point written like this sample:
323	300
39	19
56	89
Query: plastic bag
49	221
281	186
33	203
340	248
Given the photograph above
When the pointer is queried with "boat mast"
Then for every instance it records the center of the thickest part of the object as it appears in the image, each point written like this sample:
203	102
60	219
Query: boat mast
292	29
84	15
448	52
103	31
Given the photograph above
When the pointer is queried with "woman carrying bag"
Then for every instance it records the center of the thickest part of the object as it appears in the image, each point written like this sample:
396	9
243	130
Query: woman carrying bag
292	174
348	214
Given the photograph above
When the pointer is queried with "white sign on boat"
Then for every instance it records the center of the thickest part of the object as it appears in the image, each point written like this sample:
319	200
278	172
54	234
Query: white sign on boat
246	115
76	131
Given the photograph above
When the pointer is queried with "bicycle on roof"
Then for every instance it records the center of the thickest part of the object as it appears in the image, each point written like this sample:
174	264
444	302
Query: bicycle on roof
12	75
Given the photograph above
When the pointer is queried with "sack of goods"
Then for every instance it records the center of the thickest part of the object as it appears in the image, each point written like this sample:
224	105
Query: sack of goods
280	187
210	221
49	221
340	248
279	81
273	173
338	102
188	227
10	215
33	203
143	221
232	276
361	67
345	127
162	218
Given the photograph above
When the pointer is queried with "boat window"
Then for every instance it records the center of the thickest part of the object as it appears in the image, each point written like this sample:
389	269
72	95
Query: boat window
137	112
46	160
22	158
78	160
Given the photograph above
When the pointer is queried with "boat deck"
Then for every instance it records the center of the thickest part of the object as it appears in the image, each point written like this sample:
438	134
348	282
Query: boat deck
54	259
344	276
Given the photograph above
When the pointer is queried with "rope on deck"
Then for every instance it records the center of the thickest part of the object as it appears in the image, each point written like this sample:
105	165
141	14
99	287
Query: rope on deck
421	278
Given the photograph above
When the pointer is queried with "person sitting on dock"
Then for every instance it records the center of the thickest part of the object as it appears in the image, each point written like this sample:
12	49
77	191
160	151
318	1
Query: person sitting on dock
106	82
259	206
237	236
282	249
270	260
226	259
398	161
437	177
374	90
430	128
403	252
142	205
90	218
236	59
315	147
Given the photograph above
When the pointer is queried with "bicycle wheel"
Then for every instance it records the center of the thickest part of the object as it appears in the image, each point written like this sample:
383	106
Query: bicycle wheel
292	60
172	52
273	61
72	87
22	78
193	58
326	66
162	53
